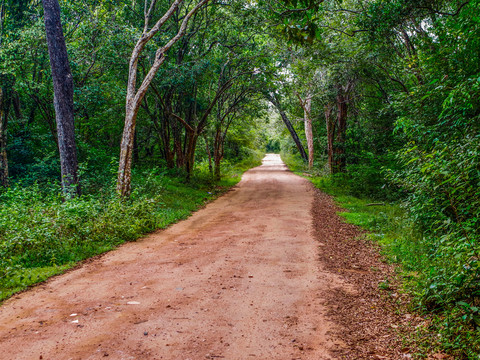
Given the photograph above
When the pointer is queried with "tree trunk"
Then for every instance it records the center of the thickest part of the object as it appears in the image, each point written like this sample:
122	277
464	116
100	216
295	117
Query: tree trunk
207	149
169	156
125	163
63	98
330	124
339	161
307	109
218	153
273	99
165	135
217	173
135	97
3	138
191	138
177	144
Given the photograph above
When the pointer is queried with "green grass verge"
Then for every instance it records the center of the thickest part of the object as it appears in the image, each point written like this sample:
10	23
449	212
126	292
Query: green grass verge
41	236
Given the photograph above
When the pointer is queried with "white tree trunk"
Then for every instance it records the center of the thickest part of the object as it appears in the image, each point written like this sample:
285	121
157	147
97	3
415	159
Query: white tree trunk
308	130
134	97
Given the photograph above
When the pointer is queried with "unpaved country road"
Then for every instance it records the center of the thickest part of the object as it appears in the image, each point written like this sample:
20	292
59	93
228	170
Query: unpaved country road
240	279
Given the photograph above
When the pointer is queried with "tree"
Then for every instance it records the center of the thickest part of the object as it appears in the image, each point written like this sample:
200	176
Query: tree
229	107
135	97
5	104
307	115
63	98
343	99
273	98
203	68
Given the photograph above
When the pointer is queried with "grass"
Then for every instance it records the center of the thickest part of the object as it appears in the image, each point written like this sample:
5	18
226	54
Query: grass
41	236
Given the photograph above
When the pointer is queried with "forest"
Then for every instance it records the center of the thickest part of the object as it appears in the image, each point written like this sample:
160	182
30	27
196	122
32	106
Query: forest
119	117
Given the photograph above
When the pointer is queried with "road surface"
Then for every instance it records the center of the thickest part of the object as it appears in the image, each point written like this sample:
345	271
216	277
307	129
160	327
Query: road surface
240	279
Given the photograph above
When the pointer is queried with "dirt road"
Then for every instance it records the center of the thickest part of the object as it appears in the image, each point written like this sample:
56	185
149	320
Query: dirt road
240	279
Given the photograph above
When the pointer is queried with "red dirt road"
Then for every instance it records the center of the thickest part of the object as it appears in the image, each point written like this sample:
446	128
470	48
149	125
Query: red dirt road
240	279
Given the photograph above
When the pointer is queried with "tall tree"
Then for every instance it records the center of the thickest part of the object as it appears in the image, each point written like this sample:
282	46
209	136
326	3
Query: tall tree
135	97
273	98
63	98
307	114
4	110
343	99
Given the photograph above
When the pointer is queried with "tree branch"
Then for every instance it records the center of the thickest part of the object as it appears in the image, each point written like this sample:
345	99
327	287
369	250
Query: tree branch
352	34
446	13
184	123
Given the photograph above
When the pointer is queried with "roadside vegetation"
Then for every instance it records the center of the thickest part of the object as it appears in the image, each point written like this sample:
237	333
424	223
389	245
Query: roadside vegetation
42	235
81	175
396	121
390	224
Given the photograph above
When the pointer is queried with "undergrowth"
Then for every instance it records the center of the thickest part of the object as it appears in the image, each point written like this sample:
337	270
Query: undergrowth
41	235
452	328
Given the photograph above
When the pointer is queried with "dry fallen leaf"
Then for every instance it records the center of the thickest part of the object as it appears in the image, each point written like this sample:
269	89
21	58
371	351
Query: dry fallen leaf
439	356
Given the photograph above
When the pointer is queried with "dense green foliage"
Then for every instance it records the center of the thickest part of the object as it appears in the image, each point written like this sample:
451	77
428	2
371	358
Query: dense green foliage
391	226
40	233
413	137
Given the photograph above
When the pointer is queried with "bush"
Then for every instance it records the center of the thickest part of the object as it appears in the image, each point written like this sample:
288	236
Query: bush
445	200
